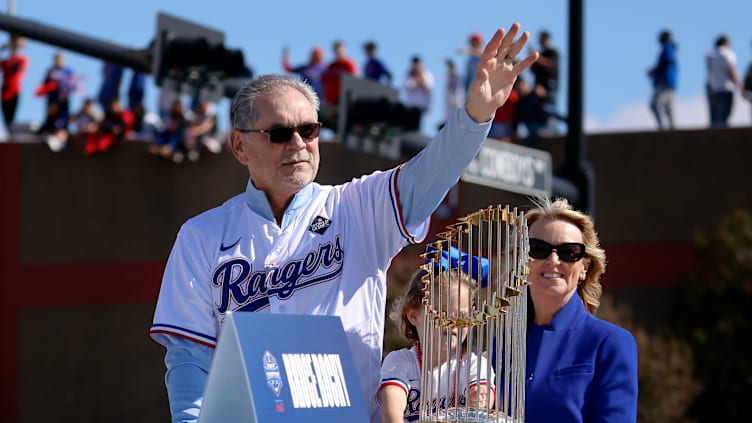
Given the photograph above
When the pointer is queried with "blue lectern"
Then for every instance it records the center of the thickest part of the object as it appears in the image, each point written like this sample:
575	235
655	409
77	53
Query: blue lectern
282	368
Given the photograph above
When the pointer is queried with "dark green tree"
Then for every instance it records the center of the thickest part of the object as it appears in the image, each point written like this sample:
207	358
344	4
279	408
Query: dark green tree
711	310
667	386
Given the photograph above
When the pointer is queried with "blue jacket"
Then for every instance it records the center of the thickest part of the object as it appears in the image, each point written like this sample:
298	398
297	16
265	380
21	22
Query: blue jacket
375	70
580	369
666	70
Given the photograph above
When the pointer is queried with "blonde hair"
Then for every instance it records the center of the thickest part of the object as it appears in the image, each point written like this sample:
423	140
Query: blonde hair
590	289
414	295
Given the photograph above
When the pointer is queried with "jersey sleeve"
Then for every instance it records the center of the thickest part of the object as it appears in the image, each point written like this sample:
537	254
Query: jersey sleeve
416	188
185	298
479	371
372	203
394	370
425	179
187	372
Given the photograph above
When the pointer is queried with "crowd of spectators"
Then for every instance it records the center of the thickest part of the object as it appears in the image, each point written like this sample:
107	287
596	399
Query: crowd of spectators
532	106
111	116
533	109
184	128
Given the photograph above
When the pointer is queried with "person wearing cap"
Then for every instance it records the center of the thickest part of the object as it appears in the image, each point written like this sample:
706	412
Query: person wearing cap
311	72
475	44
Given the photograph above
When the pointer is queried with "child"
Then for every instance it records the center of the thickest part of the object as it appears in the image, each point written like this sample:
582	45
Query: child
399	394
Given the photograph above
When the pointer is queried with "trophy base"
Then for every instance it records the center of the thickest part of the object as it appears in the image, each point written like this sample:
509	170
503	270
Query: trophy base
467	415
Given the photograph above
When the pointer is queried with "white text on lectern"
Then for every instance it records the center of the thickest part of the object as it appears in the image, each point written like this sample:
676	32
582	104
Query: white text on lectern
316	380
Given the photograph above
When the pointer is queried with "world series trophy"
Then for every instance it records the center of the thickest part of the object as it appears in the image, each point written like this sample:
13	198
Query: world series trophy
483	379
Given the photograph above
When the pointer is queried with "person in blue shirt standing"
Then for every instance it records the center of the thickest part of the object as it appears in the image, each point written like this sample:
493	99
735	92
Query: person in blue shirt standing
579	368
374	69
664	76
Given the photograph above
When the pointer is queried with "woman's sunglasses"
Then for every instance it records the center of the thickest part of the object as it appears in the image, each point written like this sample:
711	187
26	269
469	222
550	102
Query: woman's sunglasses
569	252
283	134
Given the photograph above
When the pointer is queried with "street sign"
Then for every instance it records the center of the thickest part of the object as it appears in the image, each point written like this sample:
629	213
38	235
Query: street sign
511	167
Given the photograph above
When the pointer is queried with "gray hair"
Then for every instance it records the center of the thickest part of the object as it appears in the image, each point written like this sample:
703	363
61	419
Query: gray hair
243	112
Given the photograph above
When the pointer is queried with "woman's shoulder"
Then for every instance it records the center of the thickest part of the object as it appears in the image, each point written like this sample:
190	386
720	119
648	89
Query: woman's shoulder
609	332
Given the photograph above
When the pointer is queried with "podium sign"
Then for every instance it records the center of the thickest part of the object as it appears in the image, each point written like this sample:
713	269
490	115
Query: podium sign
282	368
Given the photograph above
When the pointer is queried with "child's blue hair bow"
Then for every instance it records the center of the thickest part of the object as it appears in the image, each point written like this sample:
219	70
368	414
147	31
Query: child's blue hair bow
475	266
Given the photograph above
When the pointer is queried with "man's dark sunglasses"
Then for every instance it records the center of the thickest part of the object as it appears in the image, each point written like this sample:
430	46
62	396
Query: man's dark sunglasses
283	134
569	252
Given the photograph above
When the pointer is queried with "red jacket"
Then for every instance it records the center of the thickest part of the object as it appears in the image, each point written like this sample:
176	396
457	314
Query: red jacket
332	76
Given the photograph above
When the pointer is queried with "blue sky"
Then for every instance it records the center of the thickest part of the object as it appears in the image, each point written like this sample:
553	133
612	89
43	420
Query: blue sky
621	42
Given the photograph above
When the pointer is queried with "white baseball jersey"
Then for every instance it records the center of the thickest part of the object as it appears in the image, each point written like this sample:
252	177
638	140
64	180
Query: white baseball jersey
330	256
401	369
332	260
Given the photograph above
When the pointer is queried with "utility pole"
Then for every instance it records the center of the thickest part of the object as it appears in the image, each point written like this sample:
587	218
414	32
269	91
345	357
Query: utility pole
576	168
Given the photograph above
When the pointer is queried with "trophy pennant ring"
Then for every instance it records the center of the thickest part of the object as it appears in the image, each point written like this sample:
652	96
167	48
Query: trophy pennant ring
472	362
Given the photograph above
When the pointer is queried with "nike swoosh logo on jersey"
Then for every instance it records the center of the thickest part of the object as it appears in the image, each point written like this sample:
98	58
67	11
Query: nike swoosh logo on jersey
222	246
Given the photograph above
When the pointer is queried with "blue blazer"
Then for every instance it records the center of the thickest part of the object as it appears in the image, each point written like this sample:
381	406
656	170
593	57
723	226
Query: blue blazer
580	369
